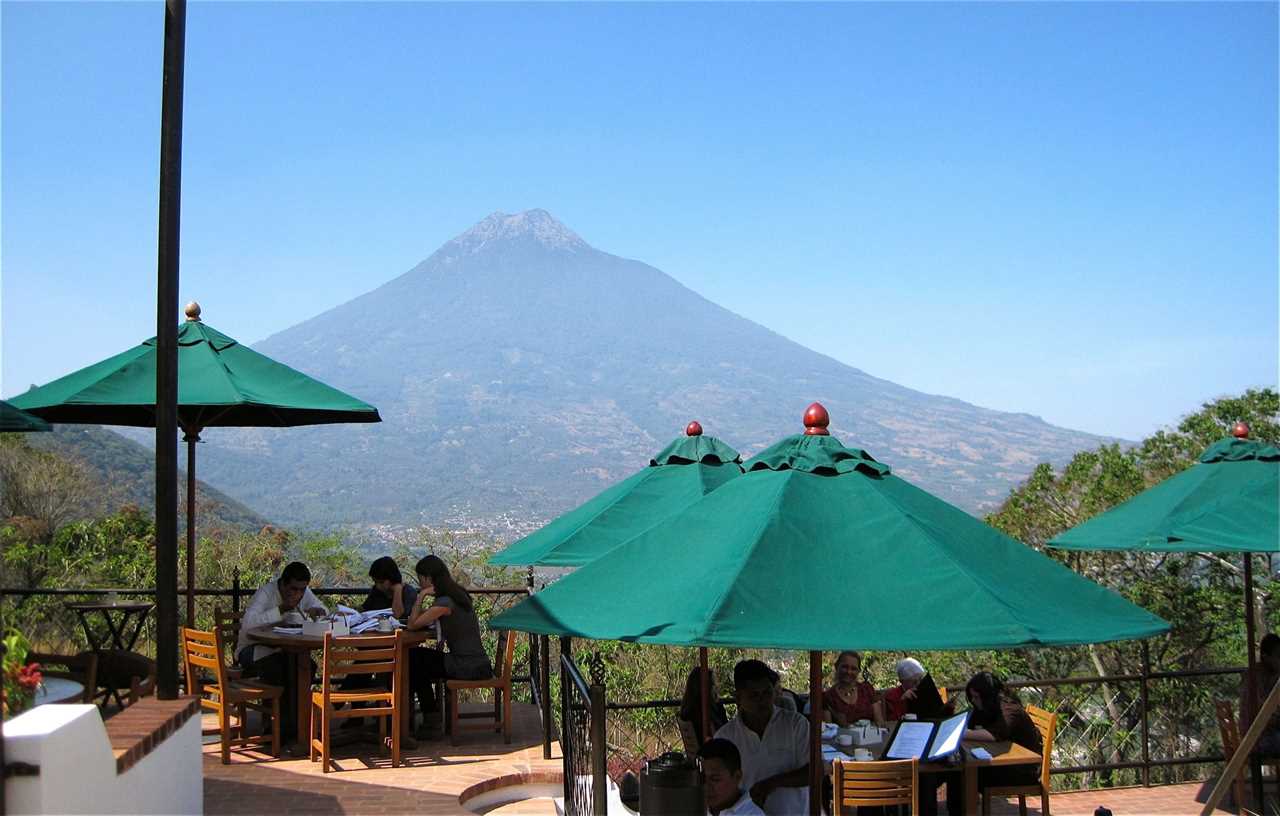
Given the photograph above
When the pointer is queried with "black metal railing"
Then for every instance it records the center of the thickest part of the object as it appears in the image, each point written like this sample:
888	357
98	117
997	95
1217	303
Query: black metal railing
582	737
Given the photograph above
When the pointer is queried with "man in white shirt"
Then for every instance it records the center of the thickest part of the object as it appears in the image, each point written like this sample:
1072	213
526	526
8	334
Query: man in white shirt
722	781
773	743
274	599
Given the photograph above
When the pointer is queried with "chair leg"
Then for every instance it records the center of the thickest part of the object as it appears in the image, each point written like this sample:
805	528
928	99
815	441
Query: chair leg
986	803
324	738
497	706
453	716
311	737
1022	805
1044	802
395	735
506	717
382	735
224	732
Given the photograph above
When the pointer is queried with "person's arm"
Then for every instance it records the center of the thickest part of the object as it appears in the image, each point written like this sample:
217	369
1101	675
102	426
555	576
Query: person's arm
397	600
422	618
263	609
794	778
311	604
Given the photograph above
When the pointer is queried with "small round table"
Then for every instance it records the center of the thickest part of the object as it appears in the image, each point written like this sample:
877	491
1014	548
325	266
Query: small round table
57	690
118	664
298	647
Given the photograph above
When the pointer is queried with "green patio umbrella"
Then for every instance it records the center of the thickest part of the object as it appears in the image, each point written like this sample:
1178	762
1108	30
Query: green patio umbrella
1229	501
220	383
819	547
13	420
686	470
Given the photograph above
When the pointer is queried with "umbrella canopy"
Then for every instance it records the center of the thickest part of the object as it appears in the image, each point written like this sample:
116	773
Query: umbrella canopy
820	547
220	383
1229	501
13	420
686	470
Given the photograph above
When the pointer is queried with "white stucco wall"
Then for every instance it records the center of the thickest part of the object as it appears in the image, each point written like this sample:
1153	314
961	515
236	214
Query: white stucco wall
78	771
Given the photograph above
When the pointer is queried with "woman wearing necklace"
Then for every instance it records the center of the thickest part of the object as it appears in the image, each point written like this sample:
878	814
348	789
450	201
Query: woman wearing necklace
850	699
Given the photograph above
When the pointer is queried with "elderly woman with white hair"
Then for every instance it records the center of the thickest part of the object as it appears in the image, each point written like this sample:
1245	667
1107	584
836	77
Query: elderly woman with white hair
898	700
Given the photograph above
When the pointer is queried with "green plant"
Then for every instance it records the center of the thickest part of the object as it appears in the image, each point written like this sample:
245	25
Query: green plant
21	679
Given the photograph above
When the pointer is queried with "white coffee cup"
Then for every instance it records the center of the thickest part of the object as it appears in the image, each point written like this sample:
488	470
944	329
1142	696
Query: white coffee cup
909	717
294	617
385	625
862	755
844	739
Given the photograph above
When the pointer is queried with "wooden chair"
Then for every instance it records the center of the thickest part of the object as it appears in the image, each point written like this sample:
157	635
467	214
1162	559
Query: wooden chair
355	655
142	687
227	625
1047	724
874	784
1229	727
501	686
82	668
207	677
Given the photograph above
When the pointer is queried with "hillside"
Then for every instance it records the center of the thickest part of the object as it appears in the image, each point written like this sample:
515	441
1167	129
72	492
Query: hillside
520	370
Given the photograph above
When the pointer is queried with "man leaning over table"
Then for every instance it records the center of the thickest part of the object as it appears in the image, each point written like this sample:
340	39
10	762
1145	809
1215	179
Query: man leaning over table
289	593
773	742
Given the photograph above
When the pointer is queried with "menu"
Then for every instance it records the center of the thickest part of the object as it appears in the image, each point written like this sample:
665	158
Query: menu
910	740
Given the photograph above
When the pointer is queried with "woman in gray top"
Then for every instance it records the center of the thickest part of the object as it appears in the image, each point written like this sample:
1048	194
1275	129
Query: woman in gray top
442	599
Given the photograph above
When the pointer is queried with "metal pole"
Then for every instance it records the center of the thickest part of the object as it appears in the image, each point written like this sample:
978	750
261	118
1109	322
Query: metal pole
544	648
566	740
235	591
1146	725
191	438
705	681
175	23
815	733
1251	680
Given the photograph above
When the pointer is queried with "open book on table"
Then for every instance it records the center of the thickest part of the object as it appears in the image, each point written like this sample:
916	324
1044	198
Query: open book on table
359	622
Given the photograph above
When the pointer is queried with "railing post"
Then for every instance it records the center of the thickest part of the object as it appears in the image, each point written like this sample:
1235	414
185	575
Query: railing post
599	760
235	591
544	649
1146	726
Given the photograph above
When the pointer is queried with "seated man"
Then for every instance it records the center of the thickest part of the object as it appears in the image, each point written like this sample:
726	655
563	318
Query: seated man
772	742
389	589
273	599
722	781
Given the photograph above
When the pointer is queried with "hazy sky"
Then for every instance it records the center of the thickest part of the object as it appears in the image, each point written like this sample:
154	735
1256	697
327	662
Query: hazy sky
1069	210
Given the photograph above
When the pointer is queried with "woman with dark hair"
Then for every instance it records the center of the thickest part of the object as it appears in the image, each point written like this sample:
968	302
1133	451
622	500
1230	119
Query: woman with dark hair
451	607
996	716
691	710
389	589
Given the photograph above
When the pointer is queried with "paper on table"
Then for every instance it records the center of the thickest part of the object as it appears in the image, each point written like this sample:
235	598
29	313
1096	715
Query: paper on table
980	753
910	741
287	630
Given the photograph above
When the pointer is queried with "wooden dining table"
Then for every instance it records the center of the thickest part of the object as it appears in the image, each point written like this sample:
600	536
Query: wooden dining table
298	648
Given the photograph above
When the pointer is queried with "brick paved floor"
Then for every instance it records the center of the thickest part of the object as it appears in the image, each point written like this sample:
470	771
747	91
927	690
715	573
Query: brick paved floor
437	774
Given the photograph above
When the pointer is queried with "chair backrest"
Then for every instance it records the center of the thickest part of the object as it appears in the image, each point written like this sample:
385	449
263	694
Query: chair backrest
874	784
942	692
1228	726
83	668
227	625
203	655
505	655
1047	724
360	654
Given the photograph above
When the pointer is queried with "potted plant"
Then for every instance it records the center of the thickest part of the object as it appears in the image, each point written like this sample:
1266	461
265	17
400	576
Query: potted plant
21	679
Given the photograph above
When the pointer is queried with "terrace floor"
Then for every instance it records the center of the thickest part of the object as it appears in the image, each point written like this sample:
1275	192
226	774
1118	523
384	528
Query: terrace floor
437	777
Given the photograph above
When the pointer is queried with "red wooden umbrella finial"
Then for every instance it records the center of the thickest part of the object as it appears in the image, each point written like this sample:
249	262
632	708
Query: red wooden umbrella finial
816	420
193	312
1240	430
693	429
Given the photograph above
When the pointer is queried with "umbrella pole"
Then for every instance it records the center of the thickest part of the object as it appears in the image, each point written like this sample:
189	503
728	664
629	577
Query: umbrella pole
1251	685
191	437
705	680
815	733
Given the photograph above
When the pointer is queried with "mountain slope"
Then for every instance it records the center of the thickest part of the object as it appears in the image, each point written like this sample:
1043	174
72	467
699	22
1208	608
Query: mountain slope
519	370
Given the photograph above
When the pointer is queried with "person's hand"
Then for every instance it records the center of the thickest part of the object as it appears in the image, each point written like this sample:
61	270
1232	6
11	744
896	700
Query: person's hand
760	791
284	608
316	612
909	694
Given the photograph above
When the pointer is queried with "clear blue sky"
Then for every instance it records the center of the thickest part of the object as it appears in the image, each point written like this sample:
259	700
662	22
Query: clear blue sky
1069	210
